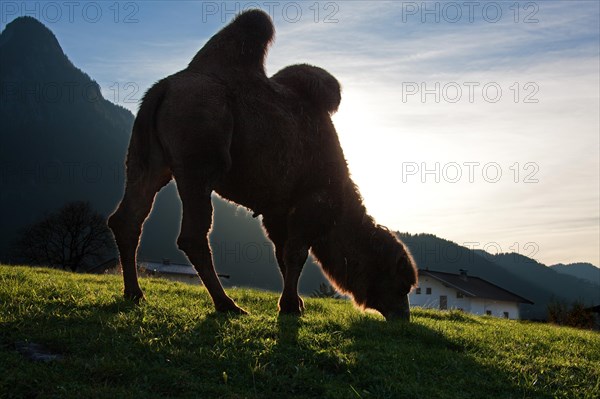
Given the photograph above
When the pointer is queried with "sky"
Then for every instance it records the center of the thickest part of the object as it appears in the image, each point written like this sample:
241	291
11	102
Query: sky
475	121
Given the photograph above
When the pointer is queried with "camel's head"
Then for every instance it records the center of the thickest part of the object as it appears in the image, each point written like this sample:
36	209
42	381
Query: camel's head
394	276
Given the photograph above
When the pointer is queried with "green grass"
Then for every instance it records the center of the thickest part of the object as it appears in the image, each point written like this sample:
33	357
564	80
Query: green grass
174	345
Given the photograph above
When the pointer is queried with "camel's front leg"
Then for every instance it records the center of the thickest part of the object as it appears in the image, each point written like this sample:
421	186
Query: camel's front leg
295	253
311	218
277	228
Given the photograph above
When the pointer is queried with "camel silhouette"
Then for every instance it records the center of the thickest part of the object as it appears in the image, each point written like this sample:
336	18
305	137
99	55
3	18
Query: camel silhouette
268	144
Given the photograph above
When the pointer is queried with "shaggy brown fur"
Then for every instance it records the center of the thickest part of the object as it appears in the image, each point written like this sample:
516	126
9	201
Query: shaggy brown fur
270	145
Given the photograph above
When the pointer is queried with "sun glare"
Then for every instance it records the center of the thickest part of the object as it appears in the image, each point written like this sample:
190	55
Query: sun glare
376	155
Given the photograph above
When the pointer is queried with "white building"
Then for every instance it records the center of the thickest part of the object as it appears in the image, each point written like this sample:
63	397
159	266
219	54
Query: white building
439	290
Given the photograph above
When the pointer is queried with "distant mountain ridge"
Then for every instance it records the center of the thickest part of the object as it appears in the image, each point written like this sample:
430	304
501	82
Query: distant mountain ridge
561	286
62	141
582	270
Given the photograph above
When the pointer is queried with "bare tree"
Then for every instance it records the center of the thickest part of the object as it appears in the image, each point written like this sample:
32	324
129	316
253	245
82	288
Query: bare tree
74	237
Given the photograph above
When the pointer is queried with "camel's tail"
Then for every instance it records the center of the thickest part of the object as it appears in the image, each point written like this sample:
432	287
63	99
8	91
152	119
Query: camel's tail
242	43
145	152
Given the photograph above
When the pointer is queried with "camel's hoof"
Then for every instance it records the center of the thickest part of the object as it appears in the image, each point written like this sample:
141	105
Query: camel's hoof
230	308
237	310
136	297
294	308
290	312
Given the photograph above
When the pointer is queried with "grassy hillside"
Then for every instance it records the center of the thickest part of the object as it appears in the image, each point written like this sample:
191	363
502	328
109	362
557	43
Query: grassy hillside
174	345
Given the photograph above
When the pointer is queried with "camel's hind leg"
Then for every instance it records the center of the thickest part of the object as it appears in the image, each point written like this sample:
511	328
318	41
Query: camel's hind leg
126	222
194	190
197	128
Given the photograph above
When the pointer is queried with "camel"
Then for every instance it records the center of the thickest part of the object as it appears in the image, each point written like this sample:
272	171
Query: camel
268	144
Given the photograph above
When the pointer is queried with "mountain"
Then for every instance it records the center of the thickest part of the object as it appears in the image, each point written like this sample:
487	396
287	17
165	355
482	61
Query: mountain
61	140
584	271
562	286
544	276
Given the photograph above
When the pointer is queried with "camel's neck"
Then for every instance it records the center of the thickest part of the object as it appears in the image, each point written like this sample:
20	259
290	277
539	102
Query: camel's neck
341	252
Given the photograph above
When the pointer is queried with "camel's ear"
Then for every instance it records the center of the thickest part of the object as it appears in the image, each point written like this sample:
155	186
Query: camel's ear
314	84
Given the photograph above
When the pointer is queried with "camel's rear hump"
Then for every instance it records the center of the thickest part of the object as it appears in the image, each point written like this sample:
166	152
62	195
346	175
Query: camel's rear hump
241	44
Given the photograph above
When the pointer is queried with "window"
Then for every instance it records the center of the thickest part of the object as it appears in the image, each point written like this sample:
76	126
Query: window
443	302
428	291
506	315
488	312
418	291
459	294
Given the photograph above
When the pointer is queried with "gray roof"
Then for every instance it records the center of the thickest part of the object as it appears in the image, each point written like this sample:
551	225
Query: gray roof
170	268
474	287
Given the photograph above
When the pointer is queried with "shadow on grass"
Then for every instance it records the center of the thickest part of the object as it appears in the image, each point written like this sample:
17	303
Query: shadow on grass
250	356
118	305
453	315
422	362
287	330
